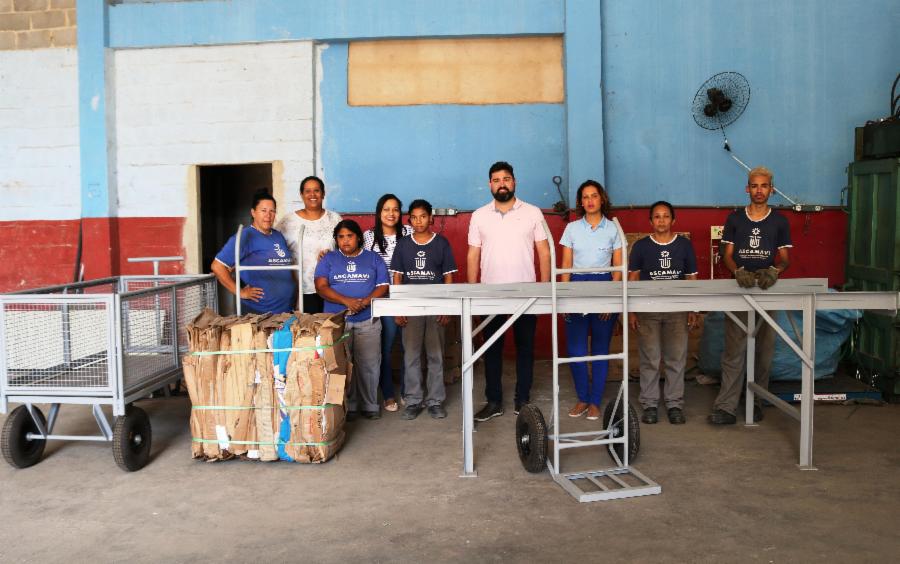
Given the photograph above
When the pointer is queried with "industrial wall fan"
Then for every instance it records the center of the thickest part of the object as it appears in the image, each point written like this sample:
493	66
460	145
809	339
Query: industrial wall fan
718	103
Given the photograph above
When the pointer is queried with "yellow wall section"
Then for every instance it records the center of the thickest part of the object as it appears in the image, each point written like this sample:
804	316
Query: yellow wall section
518	70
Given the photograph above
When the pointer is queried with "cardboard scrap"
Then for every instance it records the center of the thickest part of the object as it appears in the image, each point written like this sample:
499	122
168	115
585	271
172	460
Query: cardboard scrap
245	407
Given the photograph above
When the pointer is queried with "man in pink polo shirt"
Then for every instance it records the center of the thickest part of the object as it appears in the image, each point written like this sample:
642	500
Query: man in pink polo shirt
503	236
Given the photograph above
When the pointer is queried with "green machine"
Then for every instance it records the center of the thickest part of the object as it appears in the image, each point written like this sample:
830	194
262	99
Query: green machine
873	263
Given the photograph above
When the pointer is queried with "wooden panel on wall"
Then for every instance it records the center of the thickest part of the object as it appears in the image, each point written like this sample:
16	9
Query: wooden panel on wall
510	70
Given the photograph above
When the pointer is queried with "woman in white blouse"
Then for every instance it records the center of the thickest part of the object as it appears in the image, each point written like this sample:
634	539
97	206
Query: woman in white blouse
317	225
382	239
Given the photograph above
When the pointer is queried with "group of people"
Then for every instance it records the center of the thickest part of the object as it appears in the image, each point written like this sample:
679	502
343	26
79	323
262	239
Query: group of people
344	269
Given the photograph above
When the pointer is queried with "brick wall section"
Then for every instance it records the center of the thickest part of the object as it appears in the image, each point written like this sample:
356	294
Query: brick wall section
37	24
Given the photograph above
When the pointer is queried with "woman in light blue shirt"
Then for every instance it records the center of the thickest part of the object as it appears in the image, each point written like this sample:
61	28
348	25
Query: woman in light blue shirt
592	241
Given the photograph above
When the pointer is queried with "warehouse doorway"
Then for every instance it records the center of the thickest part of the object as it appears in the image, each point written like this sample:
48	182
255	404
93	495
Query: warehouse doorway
226	193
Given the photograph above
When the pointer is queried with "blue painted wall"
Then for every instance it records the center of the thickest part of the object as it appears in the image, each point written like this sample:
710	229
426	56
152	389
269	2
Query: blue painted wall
93	134
439	152
816	69
214	22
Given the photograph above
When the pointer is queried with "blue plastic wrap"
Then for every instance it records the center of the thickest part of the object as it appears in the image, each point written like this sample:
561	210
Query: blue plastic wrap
833	327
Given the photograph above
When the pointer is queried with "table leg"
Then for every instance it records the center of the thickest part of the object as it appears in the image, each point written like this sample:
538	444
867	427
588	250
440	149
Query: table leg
468	422
807	387
751	367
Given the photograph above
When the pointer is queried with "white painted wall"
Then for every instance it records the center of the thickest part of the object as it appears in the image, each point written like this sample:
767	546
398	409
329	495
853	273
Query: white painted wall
39	160
178	107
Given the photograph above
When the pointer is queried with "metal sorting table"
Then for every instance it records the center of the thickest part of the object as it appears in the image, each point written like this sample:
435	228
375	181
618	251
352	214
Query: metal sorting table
806	295
110	342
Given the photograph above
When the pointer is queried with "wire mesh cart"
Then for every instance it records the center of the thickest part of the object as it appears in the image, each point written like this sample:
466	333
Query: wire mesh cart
103	342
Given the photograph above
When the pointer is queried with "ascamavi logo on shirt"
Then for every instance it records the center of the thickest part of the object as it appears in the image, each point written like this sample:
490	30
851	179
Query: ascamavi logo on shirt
279	251
351	266
420	260
754	238
665	261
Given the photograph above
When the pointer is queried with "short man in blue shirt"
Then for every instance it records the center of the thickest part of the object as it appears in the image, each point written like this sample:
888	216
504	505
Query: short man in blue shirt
756	239
423	258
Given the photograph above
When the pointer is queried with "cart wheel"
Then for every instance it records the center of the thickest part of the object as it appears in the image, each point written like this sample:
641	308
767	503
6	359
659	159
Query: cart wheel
131	439
616	428
531	438
18	450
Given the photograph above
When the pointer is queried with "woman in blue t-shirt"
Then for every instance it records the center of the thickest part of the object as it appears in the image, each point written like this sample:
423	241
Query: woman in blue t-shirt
592	241
349	278
662	336
262	291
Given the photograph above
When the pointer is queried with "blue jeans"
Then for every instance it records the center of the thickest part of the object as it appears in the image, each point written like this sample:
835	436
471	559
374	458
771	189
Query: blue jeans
578	327
389	332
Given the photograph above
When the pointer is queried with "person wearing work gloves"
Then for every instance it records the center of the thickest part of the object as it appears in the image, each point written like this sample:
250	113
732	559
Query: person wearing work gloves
756	240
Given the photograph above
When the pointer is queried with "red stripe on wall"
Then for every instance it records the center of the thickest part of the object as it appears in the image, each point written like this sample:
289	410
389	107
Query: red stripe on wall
39	253
820	239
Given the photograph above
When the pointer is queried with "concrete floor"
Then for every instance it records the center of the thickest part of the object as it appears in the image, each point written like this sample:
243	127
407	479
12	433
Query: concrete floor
730	494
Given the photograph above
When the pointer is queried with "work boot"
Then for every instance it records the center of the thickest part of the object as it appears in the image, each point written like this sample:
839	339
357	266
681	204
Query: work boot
650	416
719	417
676	416
412	411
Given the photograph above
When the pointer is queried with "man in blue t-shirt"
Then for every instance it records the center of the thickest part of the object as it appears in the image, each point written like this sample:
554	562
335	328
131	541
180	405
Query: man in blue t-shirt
756	240
263	291
662	336
423	258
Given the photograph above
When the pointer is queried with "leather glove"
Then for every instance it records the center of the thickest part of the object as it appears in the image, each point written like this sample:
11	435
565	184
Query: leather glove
745	278
766	278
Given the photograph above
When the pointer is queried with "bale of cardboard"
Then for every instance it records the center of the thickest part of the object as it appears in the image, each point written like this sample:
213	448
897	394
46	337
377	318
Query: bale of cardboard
267	387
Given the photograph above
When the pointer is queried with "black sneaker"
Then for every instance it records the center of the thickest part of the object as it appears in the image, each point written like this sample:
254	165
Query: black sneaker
650	416
412	411
719	417
352	415
437	411
488	411
676	416
518	406
372	414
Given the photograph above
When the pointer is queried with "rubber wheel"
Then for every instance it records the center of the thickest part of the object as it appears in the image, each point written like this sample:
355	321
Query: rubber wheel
531	438
617	425
131	439
18	450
